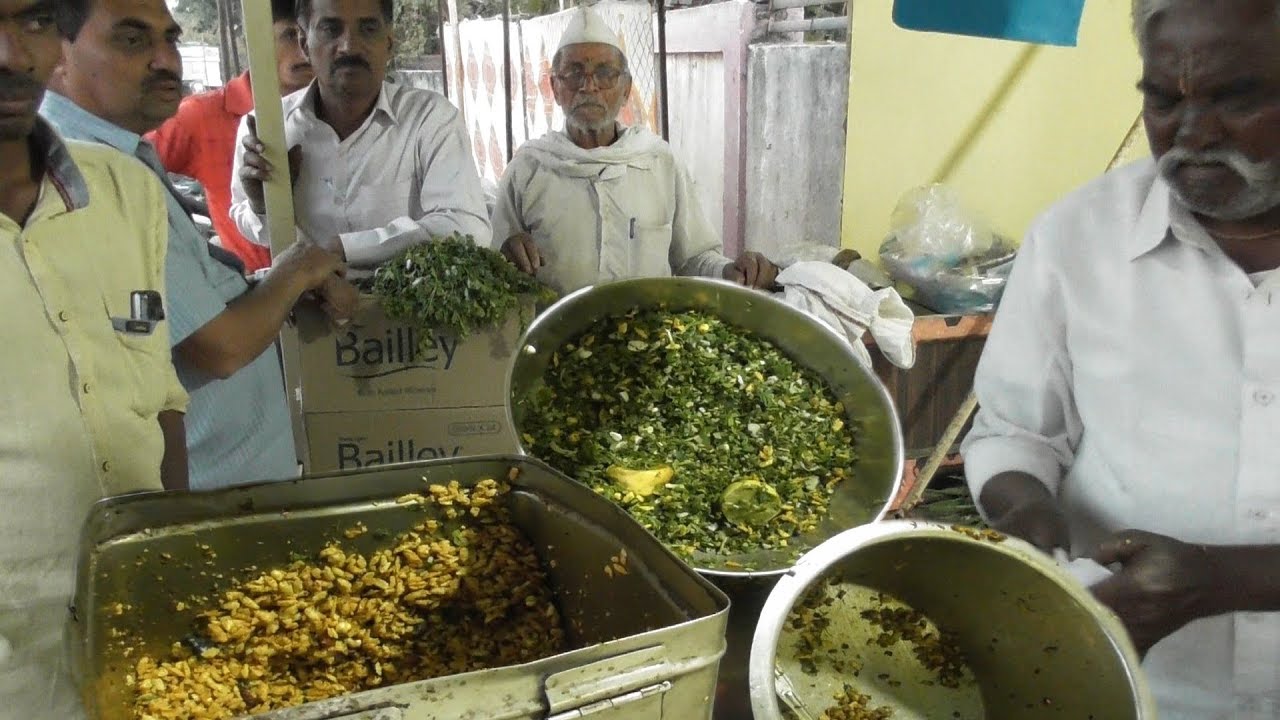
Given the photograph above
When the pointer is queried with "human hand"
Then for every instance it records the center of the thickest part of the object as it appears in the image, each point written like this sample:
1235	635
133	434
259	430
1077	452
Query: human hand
308	265
753	270
1018	504
1162	585
335	246
523	253
338	298
256	169
1040	523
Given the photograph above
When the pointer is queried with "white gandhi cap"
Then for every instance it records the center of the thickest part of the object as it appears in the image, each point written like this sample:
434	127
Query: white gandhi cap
586	26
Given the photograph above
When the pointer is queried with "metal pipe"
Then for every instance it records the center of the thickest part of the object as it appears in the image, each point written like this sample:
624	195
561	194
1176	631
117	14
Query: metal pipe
444	54
454	19
811	25
506	76
662	68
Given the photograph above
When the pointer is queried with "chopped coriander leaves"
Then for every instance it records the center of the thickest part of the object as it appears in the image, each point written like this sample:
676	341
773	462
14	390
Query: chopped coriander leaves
713	439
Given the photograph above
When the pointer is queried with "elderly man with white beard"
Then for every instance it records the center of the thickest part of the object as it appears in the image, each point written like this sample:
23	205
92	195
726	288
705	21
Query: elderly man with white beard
1130	389
600	201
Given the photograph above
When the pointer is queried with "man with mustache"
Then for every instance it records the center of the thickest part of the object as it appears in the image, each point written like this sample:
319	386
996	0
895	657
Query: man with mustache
120	78
377	167
1130	388
200	141
89	405
600	201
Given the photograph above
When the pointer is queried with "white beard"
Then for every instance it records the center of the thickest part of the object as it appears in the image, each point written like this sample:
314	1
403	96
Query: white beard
1260	194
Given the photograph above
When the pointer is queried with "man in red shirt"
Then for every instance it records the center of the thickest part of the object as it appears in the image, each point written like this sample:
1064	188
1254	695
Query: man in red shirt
200	140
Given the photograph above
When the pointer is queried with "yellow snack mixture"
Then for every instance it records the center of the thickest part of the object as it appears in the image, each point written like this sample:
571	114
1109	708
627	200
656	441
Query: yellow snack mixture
450	595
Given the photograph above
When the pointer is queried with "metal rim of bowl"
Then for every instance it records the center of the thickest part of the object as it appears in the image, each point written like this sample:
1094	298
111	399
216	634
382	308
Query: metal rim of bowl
898	460
817	562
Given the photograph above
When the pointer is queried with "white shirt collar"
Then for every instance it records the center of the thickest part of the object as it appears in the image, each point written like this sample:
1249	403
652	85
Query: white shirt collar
1163	218
383	107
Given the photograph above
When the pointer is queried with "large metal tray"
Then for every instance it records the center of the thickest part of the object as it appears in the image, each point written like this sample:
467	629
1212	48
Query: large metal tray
644	645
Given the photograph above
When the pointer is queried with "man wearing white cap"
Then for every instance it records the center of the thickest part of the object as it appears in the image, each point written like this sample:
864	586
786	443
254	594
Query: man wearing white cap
600	201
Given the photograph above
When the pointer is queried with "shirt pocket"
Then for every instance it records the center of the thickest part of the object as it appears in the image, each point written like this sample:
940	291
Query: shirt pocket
377	205
651	249
140	365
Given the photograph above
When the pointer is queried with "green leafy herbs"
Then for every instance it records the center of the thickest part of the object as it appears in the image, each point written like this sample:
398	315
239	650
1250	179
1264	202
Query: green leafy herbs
950	506
714	440
453	284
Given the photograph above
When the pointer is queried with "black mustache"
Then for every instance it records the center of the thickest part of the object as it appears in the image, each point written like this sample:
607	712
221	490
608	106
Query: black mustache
351	61
160	76
14	86
301	66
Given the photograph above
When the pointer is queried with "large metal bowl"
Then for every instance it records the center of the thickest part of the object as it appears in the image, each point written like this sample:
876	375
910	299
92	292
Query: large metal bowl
878	472
1036	641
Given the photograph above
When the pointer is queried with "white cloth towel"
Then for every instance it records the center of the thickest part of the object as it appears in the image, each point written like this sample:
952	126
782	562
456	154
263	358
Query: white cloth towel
852	309
1084	570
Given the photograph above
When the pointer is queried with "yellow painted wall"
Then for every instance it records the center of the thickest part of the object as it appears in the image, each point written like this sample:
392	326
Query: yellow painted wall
1011	126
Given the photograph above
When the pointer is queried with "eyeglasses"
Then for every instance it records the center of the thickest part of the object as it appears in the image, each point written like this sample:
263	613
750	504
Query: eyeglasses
606	78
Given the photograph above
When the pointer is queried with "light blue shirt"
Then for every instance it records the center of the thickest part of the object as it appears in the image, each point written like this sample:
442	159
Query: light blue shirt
238	429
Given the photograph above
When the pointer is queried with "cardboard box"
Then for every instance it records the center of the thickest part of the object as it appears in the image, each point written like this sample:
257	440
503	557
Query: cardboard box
354	440
376	364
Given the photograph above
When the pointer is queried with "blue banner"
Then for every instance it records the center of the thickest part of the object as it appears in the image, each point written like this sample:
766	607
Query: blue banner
1046	22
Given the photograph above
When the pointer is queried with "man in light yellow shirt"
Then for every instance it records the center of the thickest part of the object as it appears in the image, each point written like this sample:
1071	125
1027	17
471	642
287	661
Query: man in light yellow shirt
90	405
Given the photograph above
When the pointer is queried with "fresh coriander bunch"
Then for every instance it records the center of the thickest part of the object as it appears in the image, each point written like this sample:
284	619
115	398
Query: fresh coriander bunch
453	284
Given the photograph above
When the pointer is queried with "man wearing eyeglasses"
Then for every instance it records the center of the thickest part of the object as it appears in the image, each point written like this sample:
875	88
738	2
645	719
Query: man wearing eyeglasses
377	167
599	201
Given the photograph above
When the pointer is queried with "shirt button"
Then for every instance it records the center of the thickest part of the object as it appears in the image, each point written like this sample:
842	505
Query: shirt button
63	316
1264	397
106	466
85	388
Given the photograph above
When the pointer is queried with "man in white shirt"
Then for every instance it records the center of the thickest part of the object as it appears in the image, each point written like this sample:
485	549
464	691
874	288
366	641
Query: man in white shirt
599	201
1130	388
379	167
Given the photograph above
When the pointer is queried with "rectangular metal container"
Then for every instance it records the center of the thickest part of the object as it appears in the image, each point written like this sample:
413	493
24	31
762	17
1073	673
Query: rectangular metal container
643	646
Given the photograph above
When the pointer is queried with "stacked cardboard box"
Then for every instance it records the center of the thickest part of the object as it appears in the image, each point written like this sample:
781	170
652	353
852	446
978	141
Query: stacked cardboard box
376	392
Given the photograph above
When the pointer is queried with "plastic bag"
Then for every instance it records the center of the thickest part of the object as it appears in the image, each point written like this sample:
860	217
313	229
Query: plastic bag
948	256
